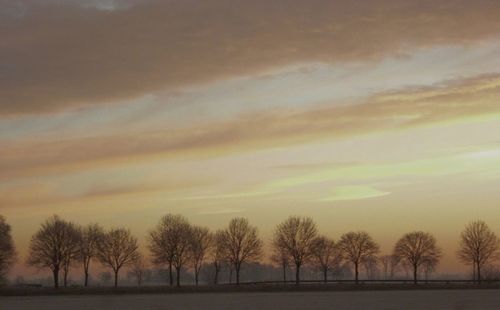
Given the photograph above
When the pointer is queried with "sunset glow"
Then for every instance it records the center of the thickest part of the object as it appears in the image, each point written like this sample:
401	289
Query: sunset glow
375	115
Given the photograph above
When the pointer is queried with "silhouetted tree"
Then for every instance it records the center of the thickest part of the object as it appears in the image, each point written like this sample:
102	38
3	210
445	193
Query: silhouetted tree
242	244
7	250
117	248
68	261
326	255
105	277
429	266
371	267
418	249
137	268
296	237
357	247
51	246
200	243
169	243
407	268
389	266
218	253
281	258
89	238
478	246
490	272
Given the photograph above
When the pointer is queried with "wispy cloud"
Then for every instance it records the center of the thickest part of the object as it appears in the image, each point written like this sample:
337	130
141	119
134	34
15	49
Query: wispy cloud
56	55
465	163
354	192
458	100
241	194
221	211
46	193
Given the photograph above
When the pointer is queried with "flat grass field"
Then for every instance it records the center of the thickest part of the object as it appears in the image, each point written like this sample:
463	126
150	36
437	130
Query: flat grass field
247	288
260	297
310	300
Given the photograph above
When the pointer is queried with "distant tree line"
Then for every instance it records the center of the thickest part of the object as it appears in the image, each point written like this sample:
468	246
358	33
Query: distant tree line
176	245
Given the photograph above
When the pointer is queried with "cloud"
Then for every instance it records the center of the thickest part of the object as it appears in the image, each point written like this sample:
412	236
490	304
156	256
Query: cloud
57	55
45	193
355	192
472	98
226	196
465	163
221	211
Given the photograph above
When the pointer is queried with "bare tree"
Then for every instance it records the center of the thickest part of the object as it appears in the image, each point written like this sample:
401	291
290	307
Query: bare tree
389	266
281	258
490	272
357	247
117	248
138	268
88	247
218	253
68	262
371	265
70	257
479	246
429	266
200	243
242	244
326	255
7	250
418	249
51	246
296	236
407	268
169	243
105	277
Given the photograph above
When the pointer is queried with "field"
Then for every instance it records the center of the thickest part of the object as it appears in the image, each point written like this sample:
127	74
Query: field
276	300
409	299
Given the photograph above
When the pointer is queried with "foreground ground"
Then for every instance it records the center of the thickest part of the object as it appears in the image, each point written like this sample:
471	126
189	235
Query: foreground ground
409	299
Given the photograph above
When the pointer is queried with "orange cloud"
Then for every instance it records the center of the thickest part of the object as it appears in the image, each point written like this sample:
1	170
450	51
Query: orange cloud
473	97
56	56
40	193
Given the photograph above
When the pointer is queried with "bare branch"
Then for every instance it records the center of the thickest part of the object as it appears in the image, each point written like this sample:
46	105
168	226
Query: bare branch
357	247
418	249
242	244
479	246
117	248
7	250
295	237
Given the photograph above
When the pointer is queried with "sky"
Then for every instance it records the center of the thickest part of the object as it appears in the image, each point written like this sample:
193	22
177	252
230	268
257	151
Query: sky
381	115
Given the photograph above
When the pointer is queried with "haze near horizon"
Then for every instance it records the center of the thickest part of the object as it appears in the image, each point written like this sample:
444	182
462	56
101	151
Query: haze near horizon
381	116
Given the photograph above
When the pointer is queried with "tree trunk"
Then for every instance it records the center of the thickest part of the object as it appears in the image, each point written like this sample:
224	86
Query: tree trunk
178	274
325	275
86	264
216	275
86	278
478	274
56	277
171	277
196	273
65	279
237	269
415	273
297	274
116	278
356	273
474	278
230	275
284	274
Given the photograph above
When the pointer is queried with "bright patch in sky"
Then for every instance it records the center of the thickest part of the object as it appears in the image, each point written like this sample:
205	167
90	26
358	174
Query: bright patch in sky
354	192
